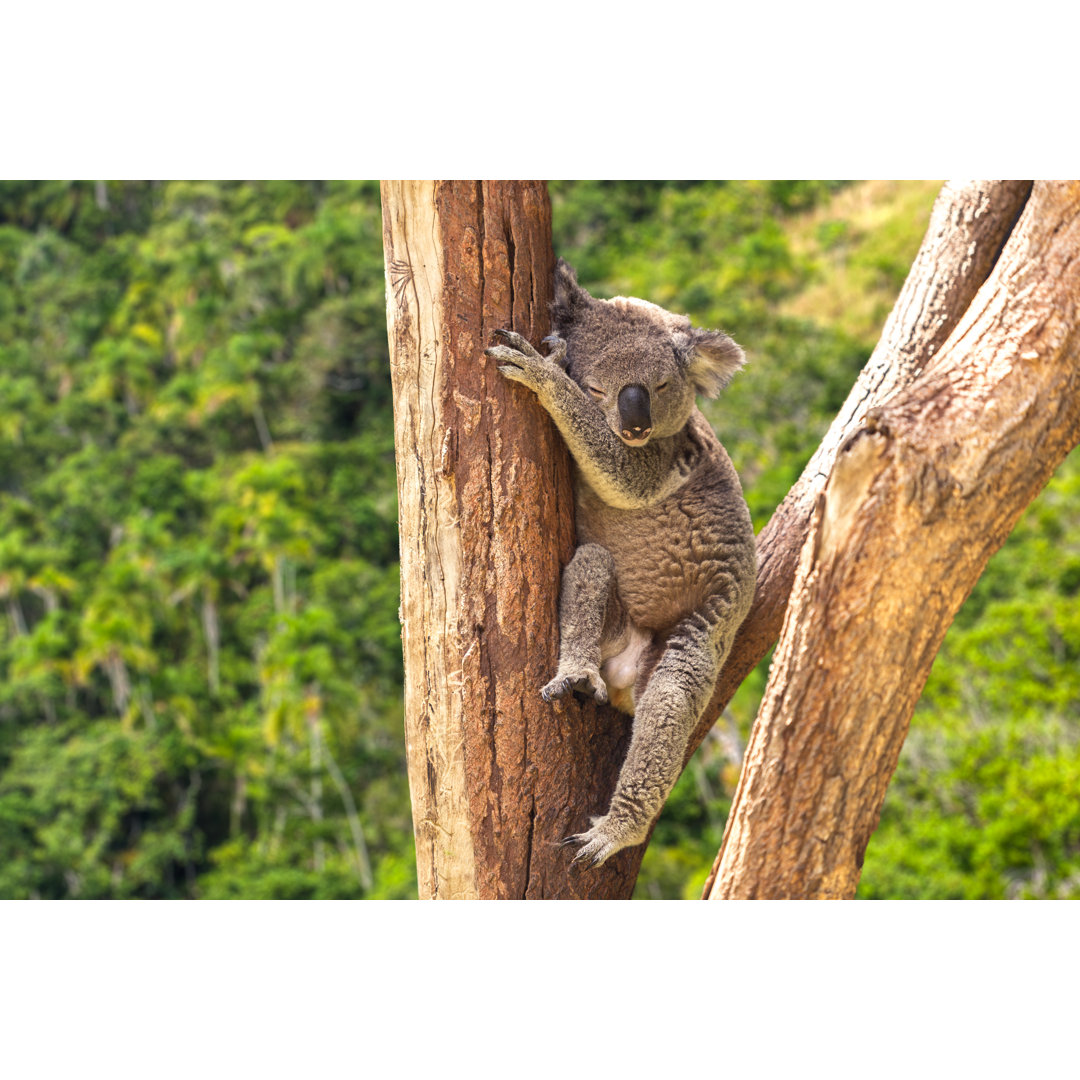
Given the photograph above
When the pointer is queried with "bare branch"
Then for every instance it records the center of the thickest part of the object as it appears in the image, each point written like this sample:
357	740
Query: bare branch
969	224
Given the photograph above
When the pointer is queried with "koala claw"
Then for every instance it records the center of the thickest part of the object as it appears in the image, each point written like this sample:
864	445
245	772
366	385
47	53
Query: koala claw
587	681
593	854
600	842
516	341
511	371
557	349
594	850
519	361
520	366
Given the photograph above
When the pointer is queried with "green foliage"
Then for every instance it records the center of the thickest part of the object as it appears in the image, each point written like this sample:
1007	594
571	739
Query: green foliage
97	811
981	809
198	545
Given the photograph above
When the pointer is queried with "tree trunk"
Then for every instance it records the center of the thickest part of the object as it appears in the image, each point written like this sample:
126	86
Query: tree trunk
922	493
485	500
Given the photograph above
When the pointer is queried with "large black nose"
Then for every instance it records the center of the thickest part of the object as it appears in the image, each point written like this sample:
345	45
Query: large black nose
634	415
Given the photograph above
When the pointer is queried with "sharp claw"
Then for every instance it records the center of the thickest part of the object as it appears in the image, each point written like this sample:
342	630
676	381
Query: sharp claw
550	692
595	848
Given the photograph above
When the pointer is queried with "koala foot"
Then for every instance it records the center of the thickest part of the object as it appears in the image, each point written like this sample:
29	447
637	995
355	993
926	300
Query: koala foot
586	681
603	840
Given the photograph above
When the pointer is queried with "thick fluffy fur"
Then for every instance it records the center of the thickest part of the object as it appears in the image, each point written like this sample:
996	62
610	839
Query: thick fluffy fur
665	570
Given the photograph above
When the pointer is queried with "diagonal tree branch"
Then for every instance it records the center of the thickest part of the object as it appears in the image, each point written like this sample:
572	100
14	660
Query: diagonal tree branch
969	226
921	495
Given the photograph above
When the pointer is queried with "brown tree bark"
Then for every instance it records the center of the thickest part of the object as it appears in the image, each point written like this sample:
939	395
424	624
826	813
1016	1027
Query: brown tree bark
970	223
497	777
922	492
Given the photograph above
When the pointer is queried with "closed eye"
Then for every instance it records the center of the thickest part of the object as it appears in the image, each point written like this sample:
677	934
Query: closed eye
596	391
661	387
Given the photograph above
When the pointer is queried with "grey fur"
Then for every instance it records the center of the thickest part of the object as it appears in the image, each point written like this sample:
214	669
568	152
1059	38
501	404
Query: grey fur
665	570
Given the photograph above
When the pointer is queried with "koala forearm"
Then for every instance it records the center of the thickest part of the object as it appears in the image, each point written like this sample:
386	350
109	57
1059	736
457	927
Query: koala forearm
627	478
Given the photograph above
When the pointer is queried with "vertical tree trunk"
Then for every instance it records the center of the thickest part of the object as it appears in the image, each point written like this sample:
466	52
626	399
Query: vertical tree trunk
922	493
497	777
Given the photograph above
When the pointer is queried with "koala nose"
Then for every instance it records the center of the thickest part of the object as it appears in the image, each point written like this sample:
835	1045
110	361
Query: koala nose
634	414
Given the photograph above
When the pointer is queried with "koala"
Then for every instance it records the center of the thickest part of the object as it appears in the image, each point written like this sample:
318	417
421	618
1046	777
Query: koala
665	569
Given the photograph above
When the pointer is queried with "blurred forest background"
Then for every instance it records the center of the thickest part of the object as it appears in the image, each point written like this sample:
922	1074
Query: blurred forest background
200	661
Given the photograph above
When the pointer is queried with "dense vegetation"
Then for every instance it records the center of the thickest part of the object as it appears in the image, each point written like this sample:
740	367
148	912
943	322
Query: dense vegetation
200	669
198	545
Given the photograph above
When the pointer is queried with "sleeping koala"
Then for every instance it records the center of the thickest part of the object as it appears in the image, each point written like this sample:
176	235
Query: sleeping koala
665	568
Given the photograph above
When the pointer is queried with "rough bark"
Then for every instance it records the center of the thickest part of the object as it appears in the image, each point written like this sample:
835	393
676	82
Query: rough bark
497	777
969	224
921	495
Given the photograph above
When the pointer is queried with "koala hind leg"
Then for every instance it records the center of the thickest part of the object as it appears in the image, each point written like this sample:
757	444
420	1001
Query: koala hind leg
589	614
667	711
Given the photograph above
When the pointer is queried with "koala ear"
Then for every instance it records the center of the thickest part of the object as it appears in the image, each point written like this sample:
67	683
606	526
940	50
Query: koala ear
711	358
570	297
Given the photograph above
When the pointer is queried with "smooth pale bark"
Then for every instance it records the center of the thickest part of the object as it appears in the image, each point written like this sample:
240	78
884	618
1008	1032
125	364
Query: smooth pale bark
969	224
921	495
497	777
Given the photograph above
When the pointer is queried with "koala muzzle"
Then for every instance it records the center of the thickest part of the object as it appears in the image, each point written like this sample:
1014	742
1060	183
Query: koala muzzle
635	418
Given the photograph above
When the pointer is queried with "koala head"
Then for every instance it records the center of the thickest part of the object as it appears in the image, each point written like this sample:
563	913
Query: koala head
642	364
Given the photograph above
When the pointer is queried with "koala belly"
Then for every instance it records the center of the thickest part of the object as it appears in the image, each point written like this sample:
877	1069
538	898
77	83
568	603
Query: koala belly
669	560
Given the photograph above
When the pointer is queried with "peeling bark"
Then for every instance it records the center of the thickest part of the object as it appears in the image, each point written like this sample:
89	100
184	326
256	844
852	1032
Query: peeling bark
497	777
922	493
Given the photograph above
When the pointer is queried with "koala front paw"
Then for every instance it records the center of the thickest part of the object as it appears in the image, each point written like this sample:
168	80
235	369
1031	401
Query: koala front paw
585	681
520	362
604	839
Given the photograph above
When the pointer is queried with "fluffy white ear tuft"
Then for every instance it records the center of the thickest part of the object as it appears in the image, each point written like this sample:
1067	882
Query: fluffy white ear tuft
712	359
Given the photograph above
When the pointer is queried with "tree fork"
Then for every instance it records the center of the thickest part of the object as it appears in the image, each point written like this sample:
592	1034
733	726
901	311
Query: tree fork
921	495
497	778
485	499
